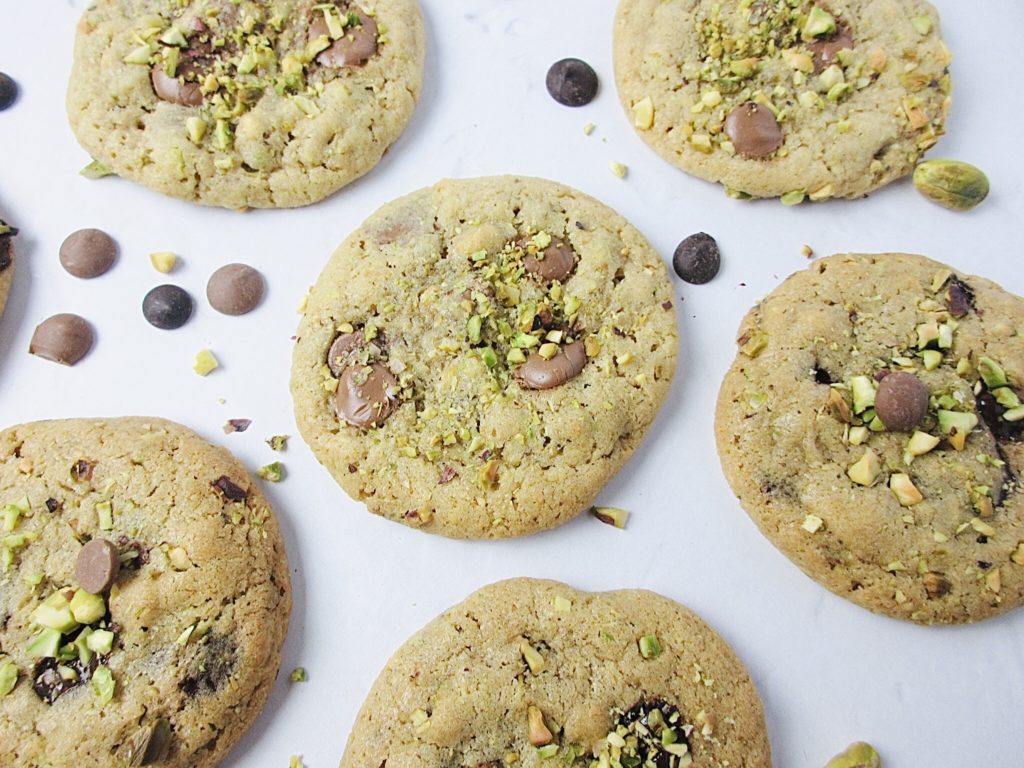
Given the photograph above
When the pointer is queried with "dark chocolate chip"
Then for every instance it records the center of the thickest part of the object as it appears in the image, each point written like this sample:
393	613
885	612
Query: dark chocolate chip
991	413
8	91
235	289
646	722
901	401
697	259
214	663
48	683
228	489
97	566
53	505
88	253
754	131
538	373
63	338
959	298
167	307
353	49
572	82
366	395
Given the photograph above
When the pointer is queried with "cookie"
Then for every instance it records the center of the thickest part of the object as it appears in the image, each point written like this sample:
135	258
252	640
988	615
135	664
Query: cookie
172	655
794	99
7	234
529	673
480	357
244	104
871	426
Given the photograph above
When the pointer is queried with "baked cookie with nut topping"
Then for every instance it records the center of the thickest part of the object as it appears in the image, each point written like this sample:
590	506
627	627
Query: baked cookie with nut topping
548	675
872	427
144	593
798	99
244	104
480	357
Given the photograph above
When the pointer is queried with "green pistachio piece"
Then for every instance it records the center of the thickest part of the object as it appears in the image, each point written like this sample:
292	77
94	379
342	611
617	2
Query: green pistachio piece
650	648
921	443
45	645
795	197
859	755
59	619
103	683
96	170
298	675
87	608
1015	414
923	24
489	357
273	472
100	641
819	23
866	470
932	359
1007	398
863	393
992	373
81	645
473	328
951	183
958	420
8	676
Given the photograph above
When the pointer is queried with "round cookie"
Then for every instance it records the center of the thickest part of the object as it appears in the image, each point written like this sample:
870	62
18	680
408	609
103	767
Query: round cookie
794	99
244	104
526	670
921	518
7	234
480	357
171	663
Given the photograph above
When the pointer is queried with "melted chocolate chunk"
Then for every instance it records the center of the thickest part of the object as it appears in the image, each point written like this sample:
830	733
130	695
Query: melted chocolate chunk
822	376
647	720
82	470
48	683
213	664
825	50
991	413
959	298
754	131
53	505
228	489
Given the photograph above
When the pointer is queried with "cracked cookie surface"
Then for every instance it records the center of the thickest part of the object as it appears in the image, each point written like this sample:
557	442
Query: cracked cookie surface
920	519
480	357
173	660
244	104
785	98
529	672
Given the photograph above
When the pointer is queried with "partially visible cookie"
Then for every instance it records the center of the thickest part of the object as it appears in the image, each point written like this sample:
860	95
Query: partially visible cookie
872	427
240	103
529	673
7	233
170	657
480	357
790	98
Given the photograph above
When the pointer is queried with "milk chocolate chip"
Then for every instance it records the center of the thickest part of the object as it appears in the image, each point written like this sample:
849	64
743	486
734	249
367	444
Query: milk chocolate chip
824	50
337	357
754	131
555	262
901	401
88	253
352	49
63	338
235	289
366	395
183	86
538	373
97	566
174	89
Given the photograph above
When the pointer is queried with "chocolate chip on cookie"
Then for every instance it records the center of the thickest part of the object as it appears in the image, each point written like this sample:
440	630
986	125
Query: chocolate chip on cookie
235	289
901	401
539	372
572	82
754	131
88	253
354	35
825	49
555	262
366	396
343	346
97	566
63	338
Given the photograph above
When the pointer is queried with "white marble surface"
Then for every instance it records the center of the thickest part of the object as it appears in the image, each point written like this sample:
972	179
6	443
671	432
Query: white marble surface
829	672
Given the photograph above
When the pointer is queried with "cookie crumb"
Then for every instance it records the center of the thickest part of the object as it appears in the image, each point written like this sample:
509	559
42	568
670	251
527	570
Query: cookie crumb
618	169
807	251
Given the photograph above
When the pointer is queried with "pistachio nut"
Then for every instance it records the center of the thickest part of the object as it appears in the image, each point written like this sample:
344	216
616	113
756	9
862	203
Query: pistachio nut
950	183
859	755
150	744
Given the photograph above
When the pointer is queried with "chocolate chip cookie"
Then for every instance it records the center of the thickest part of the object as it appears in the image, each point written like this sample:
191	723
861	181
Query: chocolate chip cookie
7	234
244	104
480	357
530	673
797	99
872	427
144	596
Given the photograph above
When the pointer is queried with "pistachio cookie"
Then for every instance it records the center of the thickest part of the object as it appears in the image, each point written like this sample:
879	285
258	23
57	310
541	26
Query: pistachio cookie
144	592
7	233
872	427
785	98
480	357
529	673
240	103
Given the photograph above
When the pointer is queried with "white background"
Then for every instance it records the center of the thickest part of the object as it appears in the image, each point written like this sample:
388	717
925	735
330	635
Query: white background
829	672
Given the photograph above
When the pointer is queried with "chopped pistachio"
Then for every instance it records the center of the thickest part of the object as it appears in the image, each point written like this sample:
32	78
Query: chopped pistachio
858	435
923	24
921	443
980	526
618	169
205	362
273	472
104	684
163	261
753	342
865	471
819	24
1018	554
992	373
643	113
8	676
533	658
96	170
812	523
196	128
611	516
859	755
932	359
277	442
295	761
793	198
562	604
650	648
589	128
298	675
906	492
539	733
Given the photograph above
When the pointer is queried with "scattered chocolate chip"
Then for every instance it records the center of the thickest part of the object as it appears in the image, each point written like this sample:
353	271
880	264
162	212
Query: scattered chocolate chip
824	50
150	744
63	338
52	505
354	48
901	401
556	262
572	82
754	131
8	91
228	489
447	475
50	685
959	298
174	89
991	413
366	395
235	289
82	470
538	373
97	566
343	346
236	425
167	307
697	259
88	253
